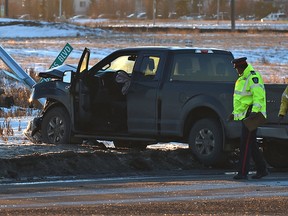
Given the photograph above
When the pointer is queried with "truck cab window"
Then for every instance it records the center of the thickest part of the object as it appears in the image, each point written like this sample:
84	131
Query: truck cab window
184	67
149	66
202	67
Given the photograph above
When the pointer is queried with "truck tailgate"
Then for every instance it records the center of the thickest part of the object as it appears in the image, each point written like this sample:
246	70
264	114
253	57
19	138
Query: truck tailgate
275	131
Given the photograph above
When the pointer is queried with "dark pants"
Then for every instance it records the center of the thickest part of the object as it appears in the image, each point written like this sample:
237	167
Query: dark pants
249	147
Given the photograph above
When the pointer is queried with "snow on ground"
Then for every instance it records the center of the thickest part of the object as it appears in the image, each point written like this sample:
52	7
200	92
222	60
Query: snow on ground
12	143
195	24
35	29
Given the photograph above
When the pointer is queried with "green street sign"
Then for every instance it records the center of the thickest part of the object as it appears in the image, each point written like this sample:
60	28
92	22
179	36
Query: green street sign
62	55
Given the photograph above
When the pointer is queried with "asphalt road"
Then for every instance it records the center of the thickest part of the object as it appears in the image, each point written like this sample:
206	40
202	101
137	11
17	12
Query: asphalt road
176	193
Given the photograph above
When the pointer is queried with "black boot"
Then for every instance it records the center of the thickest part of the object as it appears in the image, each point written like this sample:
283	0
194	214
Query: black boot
260	174
240	177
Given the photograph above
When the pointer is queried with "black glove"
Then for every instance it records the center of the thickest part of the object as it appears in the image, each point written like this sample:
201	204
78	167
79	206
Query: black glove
280	118
253	115
230	117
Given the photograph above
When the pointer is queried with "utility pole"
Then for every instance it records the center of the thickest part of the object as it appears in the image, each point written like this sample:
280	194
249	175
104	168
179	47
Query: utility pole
218	10
6	8
2	9
199	7
154	11
233	15
60	8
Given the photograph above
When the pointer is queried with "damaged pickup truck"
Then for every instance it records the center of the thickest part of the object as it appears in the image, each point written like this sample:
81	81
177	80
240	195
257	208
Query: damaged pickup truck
141	96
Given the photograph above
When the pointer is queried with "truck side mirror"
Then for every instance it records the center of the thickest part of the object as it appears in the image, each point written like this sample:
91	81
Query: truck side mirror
67	77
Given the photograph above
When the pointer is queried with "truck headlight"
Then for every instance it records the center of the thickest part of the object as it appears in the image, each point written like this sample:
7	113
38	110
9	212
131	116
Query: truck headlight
31	99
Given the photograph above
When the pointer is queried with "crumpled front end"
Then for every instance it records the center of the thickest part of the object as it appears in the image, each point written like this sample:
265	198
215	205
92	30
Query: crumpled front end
33	130
51	90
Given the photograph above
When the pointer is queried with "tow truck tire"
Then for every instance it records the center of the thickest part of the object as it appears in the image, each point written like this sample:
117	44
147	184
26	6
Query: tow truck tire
206	142
56	127
276	153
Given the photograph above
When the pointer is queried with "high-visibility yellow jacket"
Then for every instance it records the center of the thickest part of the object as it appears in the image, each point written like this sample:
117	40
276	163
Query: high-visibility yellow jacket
249	91
284	103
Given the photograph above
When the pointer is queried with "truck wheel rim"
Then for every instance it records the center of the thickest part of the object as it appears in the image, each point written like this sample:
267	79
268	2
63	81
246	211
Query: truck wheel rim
205	142
56	129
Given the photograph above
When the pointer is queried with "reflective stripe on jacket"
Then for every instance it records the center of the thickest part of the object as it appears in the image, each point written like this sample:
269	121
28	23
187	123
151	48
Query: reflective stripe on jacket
249	91
284	103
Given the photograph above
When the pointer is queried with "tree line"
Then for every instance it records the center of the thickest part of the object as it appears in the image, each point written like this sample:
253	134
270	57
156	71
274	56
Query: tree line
49	9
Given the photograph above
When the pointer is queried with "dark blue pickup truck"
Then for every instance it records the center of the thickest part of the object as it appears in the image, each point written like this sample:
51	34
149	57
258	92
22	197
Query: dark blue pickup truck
141	96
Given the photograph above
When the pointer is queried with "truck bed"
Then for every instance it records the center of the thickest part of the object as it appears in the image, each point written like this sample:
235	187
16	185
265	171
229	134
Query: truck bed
272	129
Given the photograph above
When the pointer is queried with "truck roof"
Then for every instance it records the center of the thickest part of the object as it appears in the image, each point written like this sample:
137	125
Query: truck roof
172	48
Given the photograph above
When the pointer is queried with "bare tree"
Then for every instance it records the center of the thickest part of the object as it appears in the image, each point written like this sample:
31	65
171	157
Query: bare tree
163	8
126	7
67	8
224	9
242	7
262	9
182	7
149	8
93	9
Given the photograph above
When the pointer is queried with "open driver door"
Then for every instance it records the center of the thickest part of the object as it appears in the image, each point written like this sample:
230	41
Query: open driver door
80	93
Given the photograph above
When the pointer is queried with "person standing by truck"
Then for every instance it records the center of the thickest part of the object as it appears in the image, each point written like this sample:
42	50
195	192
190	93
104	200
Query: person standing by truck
249	100
284	105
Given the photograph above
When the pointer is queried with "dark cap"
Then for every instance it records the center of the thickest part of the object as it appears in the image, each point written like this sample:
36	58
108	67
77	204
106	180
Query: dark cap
239	61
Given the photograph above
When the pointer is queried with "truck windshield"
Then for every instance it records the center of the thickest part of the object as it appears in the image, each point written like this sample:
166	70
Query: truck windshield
125	63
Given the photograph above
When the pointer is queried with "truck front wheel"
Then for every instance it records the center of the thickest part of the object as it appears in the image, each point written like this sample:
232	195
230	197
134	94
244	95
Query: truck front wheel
56	127
206	142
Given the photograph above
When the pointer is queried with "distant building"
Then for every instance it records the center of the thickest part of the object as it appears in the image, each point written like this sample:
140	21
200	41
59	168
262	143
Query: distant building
81	6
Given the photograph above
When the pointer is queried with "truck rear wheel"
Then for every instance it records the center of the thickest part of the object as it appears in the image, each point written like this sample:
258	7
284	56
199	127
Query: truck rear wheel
56	127
276	153
206	142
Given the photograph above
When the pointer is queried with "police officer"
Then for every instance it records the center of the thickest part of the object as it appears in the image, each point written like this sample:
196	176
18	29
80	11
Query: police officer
249	99
284	105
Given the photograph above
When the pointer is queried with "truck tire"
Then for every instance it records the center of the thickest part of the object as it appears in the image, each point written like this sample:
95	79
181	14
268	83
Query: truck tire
139	145
206	142
56	127
276	153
